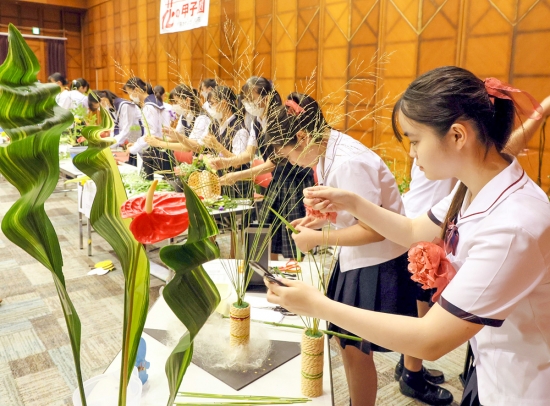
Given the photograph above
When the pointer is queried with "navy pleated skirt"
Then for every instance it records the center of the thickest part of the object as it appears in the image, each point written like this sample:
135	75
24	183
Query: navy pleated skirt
385	287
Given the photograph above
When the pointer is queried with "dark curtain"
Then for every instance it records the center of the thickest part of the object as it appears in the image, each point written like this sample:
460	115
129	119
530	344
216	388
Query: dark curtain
3	48
56	57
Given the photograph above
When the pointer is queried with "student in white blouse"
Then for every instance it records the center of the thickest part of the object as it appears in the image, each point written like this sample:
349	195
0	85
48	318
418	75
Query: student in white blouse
205	87
126	117
79	94
154	159
193	124
229	138
64	98
497	232
230	142
371	271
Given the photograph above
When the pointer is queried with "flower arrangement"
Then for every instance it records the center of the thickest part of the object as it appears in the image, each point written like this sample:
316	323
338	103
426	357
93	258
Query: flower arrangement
199	164
430	267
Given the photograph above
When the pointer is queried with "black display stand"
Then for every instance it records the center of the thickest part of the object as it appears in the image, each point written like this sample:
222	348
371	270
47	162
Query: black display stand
281	352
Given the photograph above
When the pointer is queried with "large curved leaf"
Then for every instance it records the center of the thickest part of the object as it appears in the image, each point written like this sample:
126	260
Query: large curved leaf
34	122
98	163
191	295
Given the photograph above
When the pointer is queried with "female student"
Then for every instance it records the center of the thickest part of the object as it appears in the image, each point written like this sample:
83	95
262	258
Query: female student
284	194
229	139
154	159
78	93
496	226
168	115
371	272
64	98
126	116
205	87
423	194
193	124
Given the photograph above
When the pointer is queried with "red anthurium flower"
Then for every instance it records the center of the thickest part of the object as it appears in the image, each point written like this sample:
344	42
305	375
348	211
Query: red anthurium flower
156	216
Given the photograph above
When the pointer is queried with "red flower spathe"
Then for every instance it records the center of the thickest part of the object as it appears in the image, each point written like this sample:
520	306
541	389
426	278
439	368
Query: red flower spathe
430	267
168	218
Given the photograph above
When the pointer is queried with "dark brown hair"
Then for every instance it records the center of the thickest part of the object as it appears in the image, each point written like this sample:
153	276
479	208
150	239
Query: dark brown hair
183	91
442	96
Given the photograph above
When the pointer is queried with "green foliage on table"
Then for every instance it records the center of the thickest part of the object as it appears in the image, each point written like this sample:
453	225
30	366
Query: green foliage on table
191	295
98	163
135	184
221	203
198	164
34	123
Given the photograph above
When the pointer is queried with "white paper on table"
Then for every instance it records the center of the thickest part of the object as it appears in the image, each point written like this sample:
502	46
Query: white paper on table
256	301
87	198
260	310
270	316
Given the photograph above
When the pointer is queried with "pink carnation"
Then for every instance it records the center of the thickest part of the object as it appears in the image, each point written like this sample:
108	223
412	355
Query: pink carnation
318	215
430	267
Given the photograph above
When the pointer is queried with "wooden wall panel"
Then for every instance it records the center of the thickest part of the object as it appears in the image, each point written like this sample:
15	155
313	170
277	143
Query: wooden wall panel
53	21
361	51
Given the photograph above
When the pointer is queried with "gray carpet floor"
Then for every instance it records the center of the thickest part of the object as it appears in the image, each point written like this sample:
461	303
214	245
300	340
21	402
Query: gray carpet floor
36	366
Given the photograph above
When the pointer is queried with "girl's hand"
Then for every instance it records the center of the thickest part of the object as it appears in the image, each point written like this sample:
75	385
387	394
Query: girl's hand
152	141
215	163
309	222
211	142
328	199
307	239
229	179
298	297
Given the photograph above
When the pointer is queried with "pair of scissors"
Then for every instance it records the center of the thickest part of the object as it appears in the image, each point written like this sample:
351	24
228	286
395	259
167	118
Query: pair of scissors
292	266
279	309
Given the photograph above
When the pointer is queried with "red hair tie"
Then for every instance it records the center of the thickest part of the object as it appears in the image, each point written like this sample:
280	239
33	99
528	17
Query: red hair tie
523	101
295	107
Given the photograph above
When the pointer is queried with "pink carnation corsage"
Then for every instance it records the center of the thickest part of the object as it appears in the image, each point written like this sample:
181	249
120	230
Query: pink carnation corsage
430	267
318	215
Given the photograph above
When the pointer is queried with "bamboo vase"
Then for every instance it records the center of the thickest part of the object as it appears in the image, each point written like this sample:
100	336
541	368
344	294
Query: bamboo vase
239	324
312	364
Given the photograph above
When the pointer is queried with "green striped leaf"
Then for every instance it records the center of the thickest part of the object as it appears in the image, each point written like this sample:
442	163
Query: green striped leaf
191	295
98	163
34	122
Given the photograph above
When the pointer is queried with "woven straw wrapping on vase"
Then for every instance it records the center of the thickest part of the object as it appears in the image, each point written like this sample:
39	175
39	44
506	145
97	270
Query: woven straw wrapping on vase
312	365
205	184
239	325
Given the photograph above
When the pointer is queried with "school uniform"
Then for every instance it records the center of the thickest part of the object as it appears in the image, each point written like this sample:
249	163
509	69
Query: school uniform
199	130
154	159
284	194
168	115
128	126
372	276
234	136
423	194
78	99
64	99
502	255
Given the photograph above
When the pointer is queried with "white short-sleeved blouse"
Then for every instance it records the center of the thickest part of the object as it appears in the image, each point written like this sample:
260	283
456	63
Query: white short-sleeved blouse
503	282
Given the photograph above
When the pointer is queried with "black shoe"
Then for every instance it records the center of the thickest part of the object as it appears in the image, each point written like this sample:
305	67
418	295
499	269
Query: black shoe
430	394
431	375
